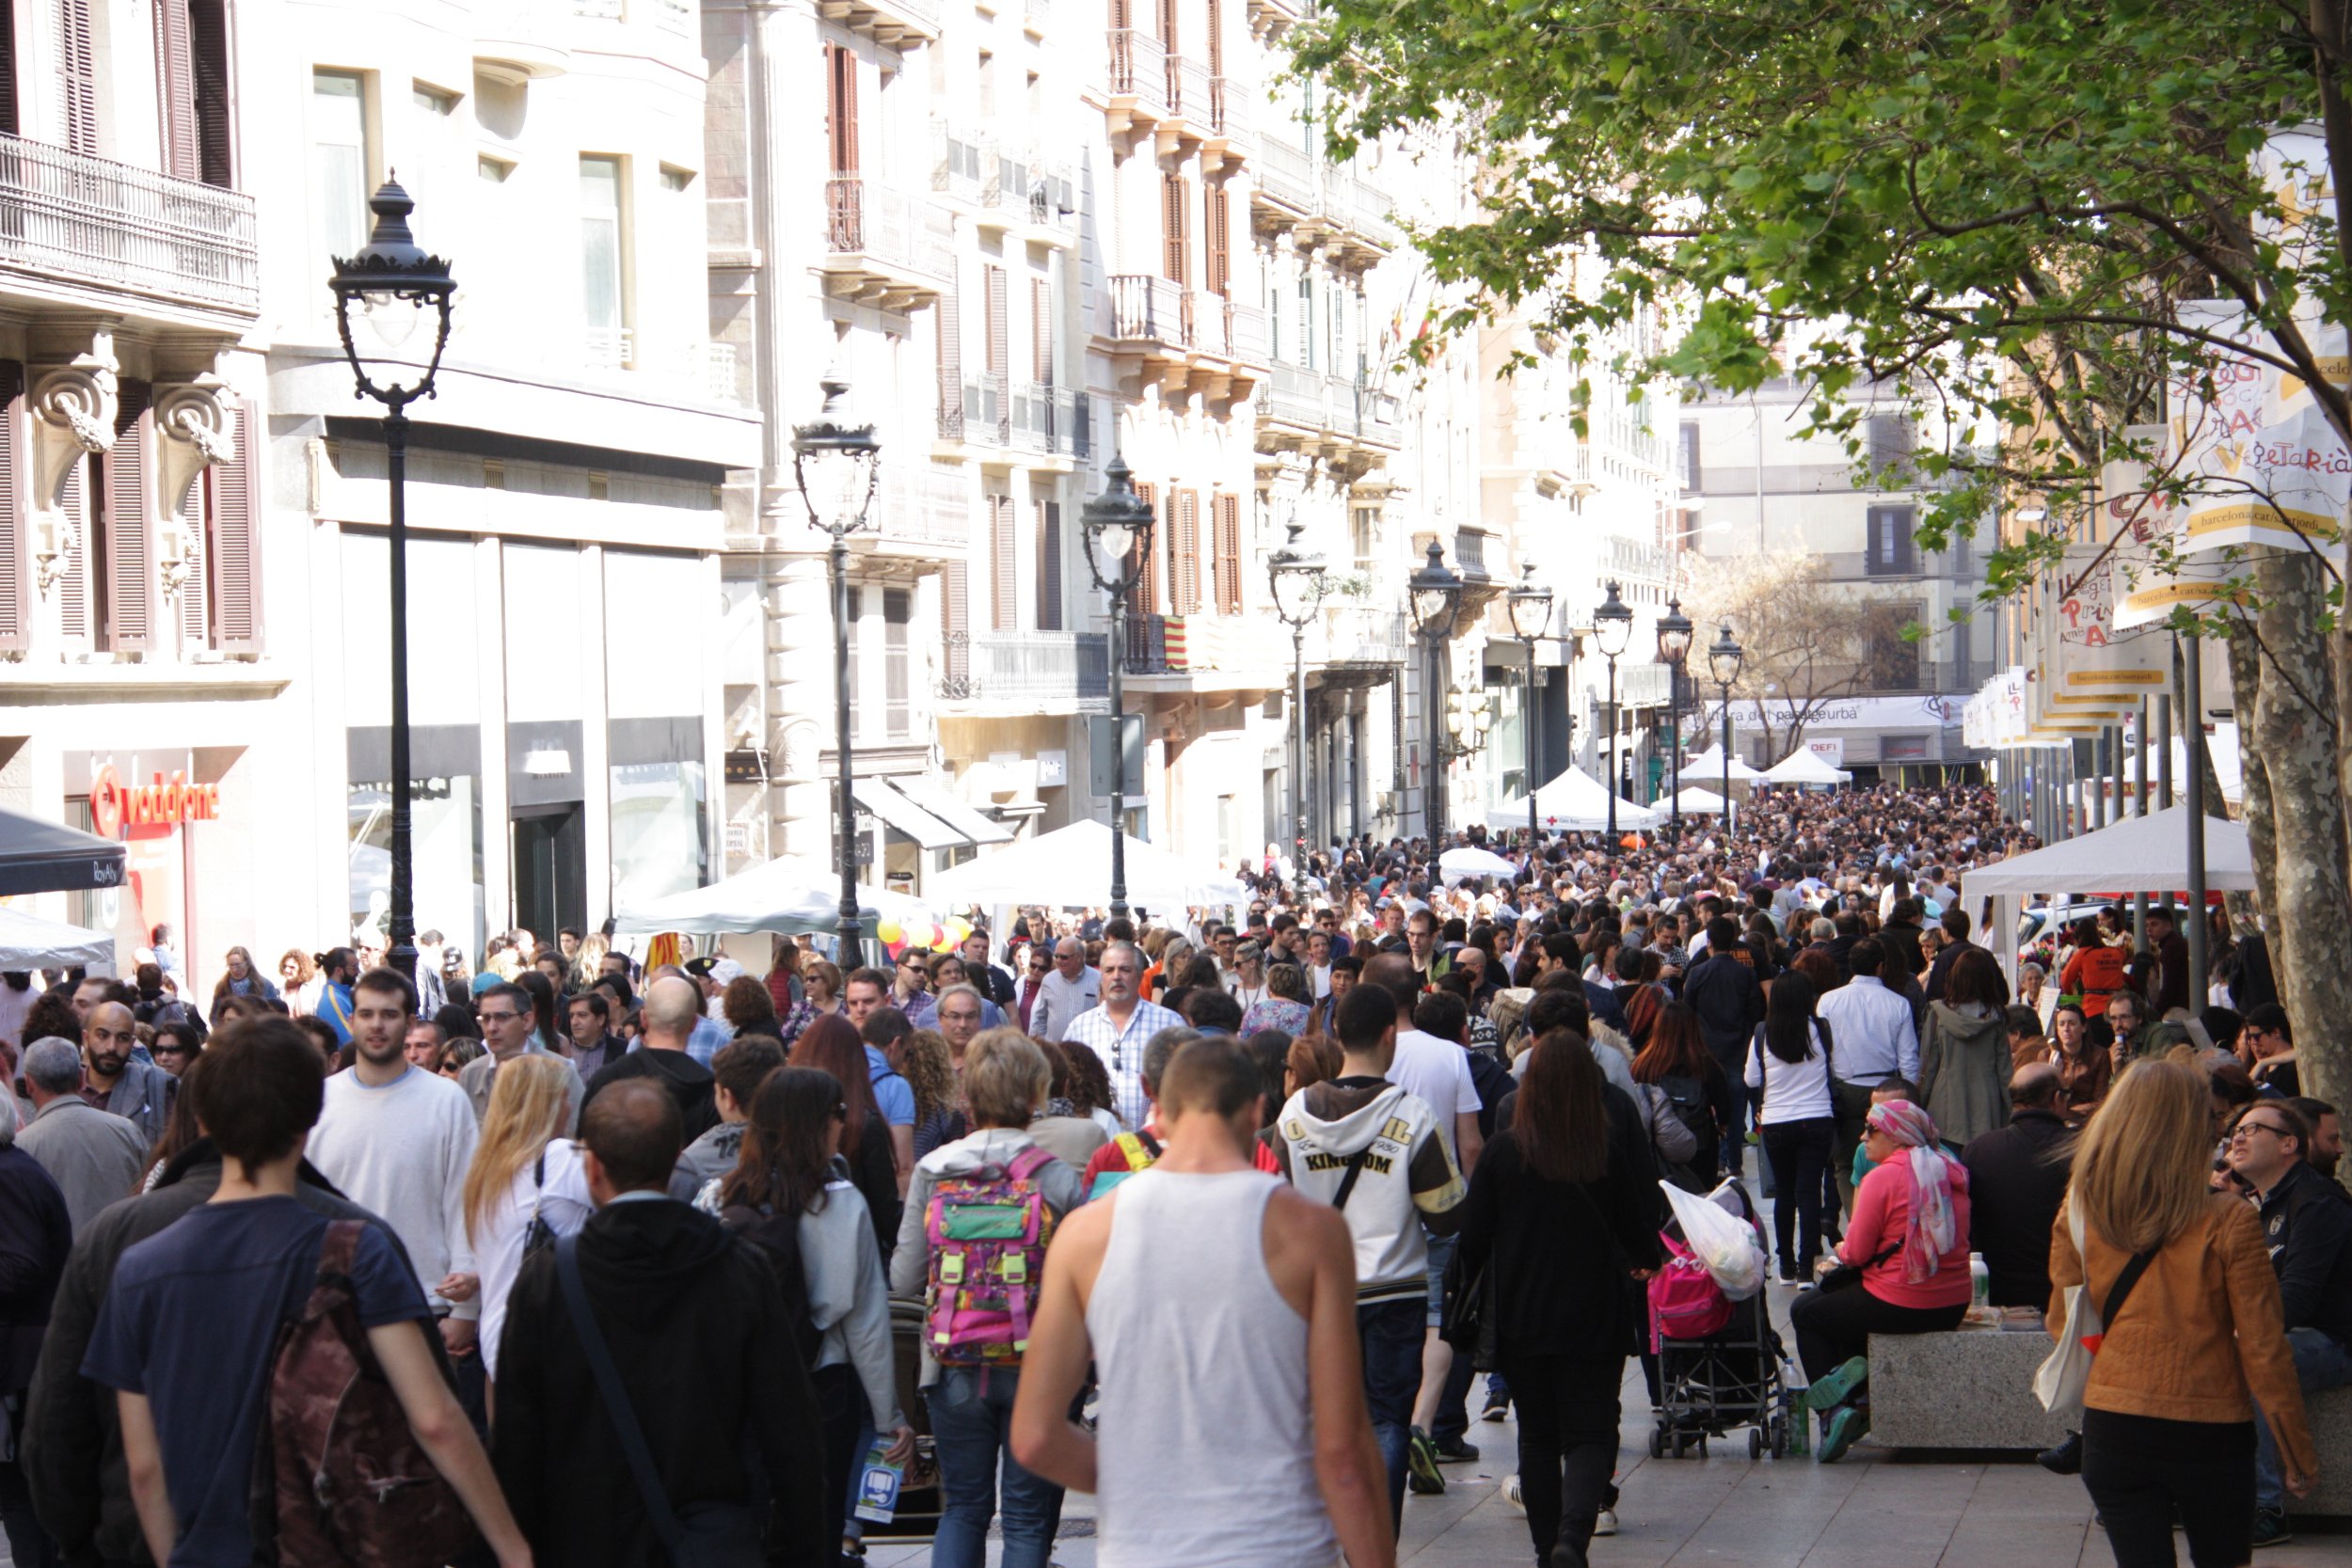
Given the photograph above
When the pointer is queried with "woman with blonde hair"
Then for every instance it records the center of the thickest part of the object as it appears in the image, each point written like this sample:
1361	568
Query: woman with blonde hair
522	1176
2195	1346
588	962
300	982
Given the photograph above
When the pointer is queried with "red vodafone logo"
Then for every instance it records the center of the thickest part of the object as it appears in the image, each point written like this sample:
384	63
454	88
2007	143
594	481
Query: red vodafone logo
117	809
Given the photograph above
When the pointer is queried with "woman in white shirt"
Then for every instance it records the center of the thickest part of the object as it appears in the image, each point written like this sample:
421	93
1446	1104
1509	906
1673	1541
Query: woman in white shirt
1789	1060
521	1173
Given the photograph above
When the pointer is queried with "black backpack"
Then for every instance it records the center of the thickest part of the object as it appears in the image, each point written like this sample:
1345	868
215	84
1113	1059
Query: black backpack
779	1237
1689	1098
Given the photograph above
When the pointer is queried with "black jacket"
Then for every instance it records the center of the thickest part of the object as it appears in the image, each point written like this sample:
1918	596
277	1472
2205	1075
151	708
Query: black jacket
695	1323
1722	989
2016	1180
1561	1250
35	1237
72	1449
1941	970
688	1081
2307	1224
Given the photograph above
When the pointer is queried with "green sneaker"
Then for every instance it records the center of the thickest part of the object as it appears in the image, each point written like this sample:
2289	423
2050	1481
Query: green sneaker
2271	1528
1421	1474
1844	1428
1838	1386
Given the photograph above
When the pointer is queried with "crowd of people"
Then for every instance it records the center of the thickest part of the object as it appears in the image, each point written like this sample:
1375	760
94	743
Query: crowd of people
1217	1215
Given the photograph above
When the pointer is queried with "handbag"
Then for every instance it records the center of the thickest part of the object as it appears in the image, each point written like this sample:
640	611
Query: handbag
705	1535
1845	1276
2064	1378
1469	1314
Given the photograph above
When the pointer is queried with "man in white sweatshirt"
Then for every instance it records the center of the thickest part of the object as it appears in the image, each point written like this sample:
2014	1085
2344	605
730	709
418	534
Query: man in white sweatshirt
396	1139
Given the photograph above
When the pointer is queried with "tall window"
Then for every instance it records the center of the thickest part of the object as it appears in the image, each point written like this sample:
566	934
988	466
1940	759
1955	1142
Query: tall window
898	611
601	311
1890	547
339	160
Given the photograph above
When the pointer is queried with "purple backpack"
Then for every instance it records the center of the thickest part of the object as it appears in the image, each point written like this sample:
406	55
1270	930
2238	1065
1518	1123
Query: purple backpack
988	1230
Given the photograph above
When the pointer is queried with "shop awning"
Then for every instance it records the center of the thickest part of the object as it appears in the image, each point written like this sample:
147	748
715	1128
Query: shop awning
36	856
877	796
943	804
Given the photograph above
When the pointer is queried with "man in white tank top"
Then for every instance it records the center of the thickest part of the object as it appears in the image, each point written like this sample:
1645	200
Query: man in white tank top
1219	1308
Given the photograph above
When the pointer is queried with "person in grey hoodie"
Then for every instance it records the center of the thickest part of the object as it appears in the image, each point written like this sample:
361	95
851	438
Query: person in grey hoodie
1005	1083
791	1164
738	1071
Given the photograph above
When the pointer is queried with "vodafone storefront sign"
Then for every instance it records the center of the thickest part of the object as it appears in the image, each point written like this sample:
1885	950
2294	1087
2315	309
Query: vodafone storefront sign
122	811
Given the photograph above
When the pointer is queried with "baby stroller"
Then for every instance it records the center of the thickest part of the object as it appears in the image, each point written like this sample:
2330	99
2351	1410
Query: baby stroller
1720	1363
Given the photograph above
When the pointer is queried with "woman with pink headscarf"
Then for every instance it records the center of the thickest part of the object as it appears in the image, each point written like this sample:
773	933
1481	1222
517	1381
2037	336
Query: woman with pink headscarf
1909	1238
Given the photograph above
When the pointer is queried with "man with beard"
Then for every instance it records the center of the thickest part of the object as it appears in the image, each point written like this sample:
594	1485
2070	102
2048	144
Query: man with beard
140	1092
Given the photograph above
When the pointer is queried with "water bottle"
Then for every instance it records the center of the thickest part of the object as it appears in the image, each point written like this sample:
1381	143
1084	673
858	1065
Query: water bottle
1979	1280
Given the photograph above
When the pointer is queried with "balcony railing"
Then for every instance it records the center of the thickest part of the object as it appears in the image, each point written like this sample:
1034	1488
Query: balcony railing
923	506
1469	551
1018	667
609	348
1245	334
1049	420
862	218
1190	95
85	221
1139	70
986	410
1228	107
957	161
1295	396
1147	644
1150	309
951	418
1359	636
1286	173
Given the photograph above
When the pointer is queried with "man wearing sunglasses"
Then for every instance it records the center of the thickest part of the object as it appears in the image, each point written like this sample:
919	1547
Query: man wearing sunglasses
2307	1223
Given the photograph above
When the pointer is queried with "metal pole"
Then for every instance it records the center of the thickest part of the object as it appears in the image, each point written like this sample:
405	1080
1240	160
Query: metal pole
2102	765
1298	782
853	953
2139	794
1673	724
402	955
1532	835
1434	808
1119	760
2164	753
1726	685
2193	721
1611	782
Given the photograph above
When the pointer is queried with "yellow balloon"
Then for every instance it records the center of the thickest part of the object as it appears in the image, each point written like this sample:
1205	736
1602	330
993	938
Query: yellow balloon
888	930
959	928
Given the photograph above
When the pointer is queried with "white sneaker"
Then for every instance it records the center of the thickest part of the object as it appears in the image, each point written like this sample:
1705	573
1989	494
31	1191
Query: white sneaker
1605	1522
1511	1493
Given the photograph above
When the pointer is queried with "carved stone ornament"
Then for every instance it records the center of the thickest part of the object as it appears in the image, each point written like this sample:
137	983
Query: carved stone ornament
197	424
73	407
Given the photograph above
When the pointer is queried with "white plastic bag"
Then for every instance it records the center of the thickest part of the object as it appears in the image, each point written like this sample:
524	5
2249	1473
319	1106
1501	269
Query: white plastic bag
1721	1240
2065	1376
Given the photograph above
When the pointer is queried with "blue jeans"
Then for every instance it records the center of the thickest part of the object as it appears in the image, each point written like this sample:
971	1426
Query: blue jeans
1392	1332
2319	1363
970	1425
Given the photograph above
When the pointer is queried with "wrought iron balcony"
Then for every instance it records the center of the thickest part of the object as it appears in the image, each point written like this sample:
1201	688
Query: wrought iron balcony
1049	421
1016	669
881	246
85	222
1138	72
1147	309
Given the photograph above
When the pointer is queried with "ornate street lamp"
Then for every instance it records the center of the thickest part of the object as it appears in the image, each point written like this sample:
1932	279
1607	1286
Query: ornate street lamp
1722	664
1117	525
1530	611
1613	628
396	287
838	464
1297	578
1673	646
1435	593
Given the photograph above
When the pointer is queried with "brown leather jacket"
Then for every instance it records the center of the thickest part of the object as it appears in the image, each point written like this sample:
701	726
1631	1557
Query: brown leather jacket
2200	1330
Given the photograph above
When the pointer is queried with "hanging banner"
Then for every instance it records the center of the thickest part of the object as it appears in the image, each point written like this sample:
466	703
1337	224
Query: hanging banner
2096	657
2263	465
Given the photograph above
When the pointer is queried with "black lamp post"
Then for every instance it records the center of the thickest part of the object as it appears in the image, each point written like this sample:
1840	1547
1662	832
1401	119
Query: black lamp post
1723	663
1435	593
1613	628
396	287
1296	580
837	463
1673	646
1118	528
1530	611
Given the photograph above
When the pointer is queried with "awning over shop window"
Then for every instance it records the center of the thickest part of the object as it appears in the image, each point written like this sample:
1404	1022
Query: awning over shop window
36	856
877	796
943	802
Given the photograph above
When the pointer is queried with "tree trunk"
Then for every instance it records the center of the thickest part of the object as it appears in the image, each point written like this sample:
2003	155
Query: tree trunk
2244	682
2294	734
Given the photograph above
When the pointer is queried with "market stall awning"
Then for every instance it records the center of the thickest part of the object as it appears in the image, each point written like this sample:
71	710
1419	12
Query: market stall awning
1471	861
1805	766
943	804
879	797
1710	764
2139	854
1572	802
38	856
1703	803
27	943
789	895
1071	868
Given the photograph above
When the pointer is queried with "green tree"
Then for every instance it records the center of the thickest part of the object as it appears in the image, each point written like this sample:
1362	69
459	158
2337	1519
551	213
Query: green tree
2000	204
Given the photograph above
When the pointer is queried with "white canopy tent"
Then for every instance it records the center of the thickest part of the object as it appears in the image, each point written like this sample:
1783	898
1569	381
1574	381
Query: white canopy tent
27	942
1573	803
1071	868
1704	803
1471	861
2139	854
1802	767
1709	766
789	895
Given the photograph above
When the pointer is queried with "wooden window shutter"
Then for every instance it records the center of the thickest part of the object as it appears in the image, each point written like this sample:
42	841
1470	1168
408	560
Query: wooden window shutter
955	618
236	544
1184	557
77	76
1168	27
1049	566
8	67
1216	204
1122	14
216	110
841	108
1041	329
1144	598
1000	330
947	321
1217	39
1172	205
1228	526
192	597
74	591
175	91
129	533
15	559
1004	583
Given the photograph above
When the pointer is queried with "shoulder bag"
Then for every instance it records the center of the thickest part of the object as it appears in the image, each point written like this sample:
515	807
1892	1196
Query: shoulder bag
705	1535
2065	1377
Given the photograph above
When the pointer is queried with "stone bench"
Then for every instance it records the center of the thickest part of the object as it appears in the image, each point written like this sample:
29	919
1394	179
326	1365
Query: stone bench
1973	1389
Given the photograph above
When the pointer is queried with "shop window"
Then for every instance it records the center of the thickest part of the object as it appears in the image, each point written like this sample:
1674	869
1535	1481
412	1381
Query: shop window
339	164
